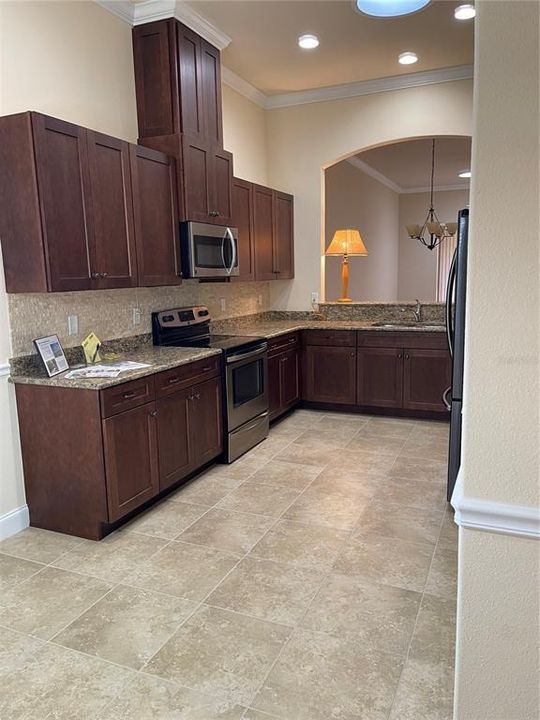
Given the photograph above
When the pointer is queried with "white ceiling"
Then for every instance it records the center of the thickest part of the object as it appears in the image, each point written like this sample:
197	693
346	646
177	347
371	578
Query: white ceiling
354	47
406	166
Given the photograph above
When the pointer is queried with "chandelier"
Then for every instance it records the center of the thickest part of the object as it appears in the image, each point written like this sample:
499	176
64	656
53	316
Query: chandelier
433	231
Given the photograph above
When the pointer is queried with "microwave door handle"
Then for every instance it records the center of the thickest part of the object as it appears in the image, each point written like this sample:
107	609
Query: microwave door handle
223	251
229	234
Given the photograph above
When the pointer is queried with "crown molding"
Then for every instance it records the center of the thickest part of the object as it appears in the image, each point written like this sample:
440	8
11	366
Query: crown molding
369	87
151	10
243	87
376	175
496	517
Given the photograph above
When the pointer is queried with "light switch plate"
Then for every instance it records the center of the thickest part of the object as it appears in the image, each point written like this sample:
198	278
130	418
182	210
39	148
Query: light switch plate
260	300
73	324
136	317
222	303
314	298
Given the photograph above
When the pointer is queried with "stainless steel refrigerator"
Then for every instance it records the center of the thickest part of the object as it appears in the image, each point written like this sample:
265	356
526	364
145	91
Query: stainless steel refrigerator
455	332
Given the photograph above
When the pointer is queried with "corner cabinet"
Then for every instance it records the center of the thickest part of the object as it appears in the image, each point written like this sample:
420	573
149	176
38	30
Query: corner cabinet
79	209
283	374
110	452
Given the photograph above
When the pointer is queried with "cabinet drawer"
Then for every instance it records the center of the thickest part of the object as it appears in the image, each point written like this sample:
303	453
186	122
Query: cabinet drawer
397	339
283	343
184	375
330	337
126	396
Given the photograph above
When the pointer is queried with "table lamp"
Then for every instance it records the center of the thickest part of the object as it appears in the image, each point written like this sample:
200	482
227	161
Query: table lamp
346	242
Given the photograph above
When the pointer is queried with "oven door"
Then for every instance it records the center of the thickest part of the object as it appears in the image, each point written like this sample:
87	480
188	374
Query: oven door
246	377
209	250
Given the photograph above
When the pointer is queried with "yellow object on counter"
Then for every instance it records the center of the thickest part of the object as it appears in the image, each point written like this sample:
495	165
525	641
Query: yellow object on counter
91	345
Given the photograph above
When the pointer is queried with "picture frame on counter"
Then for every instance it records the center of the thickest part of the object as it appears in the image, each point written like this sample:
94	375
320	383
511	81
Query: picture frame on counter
52	355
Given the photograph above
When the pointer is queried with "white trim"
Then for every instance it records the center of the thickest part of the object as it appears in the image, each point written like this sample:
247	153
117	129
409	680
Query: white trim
5	369
368	87
14	521
495	517
151	10
375	174
243	87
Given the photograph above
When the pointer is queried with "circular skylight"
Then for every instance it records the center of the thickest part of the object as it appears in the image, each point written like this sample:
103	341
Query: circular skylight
390	8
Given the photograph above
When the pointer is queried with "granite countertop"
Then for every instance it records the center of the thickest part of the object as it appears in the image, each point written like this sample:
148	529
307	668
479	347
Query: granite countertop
271	329
158	359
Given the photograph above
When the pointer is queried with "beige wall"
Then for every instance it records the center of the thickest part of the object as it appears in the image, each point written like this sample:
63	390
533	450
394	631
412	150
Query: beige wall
417	266
303	140
244	134
498	620
355	200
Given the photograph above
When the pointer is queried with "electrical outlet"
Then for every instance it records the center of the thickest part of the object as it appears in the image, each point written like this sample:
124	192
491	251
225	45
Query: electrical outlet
314	298
136	316
222	303
260	300
73	324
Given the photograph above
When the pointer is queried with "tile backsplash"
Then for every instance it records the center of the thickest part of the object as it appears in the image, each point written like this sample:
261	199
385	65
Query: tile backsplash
109	313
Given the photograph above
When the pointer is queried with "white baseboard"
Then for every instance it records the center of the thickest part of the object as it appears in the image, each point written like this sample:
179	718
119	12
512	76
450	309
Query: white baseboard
495	517
14	521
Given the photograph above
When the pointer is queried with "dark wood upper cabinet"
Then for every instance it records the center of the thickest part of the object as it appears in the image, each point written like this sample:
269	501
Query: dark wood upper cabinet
177	81
283	235
329	374
61	165
113	257
380	377
131	462
222	178
197	180
426	375
153	181
211	92
242	198
263	228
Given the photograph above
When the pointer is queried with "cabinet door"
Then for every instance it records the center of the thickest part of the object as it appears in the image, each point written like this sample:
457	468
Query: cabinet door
131	461
190	80
263	232
175	456
210	74
274	386
62	172
113	255
380	377
289	384
205	421
330	374
427	374
197	179
156	220
222	177
283	236
242	197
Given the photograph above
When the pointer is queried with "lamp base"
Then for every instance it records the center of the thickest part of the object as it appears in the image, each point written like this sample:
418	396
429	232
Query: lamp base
344	300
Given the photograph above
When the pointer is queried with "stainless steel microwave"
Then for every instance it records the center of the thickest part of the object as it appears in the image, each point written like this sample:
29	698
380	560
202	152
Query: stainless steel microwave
208	251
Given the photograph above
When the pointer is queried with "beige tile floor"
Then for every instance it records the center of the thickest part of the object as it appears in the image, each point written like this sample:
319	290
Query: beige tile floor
313	579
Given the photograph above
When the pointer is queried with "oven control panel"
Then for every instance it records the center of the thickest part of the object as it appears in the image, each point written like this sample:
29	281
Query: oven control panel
182	317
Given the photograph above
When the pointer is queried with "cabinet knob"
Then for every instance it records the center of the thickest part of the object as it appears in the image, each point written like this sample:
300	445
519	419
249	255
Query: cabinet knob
400	356
95	275
104	275
153	413
173	380
407	357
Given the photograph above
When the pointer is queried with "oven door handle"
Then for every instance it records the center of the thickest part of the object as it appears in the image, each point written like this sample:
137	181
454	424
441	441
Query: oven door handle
259	350
228	233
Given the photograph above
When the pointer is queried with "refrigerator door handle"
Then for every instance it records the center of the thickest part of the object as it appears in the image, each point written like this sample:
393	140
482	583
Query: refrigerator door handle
445	398
449	292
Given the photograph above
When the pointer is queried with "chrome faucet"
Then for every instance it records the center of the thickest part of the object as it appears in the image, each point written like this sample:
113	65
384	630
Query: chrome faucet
418	311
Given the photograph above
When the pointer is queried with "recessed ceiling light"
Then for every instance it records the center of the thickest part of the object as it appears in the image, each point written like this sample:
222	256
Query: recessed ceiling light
465	174
390	8
308	42
465	12
407	58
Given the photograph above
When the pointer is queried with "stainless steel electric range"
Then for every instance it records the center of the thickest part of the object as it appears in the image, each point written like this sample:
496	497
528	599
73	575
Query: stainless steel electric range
245	373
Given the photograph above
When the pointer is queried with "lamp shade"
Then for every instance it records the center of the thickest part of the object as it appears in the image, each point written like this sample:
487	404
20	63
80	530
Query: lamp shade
346	242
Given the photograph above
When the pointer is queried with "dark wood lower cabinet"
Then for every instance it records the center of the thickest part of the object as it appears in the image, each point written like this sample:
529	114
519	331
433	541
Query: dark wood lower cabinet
131	462
380	377
329	375
427	373
283	374
109	452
